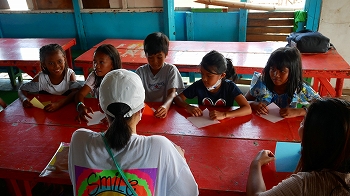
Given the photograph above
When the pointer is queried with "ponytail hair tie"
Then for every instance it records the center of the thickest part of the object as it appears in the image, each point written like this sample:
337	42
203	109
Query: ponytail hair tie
118	109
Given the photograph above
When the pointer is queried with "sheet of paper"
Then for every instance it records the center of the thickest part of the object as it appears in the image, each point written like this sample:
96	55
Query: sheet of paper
274	113
97	116
287	156
202	121
36	103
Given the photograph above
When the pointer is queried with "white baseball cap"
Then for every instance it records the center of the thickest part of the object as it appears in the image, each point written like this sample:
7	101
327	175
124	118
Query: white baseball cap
122	86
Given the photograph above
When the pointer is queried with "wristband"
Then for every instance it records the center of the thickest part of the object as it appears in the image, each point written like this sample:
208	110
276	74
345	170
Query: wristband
80	103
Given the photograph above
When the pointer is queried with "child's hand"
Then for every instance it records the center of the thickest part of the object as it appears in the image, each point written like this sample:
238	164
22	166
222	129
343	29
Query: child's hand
194	111
260	108
216	115
52	107
263	157
83	113
26	103
161	112
292	112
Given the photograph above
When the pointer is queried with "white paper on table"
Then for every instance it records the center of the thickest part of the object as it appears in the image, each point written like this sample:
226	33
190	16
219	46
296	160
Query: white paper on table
202	121
97	116
274	113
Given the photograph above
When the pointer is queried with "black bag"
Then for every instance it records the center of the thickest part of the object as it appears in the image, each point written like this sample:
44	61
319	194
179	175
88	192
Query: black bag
309	41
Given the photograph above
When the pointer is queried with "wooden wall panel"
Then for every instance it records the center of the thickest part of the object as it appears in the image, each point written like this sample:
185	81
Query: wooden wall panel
52	4
93	4
269	26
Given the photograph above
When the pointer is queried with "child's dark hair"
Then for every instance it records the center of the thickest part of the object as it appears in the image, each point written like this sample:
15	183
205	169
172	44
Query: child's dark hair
155	43
113	53
285	57
326	139
48	50
326	136
215	63
119	132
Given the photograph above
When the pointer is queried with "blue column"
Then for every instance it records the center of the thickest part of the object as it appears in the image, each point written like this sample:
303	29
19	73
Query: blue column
169	19
79	25
189	26
313	9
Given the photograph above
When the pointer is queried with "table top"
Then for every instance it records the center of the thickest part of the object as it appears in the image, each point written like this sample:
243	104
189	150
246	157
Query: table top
176	123
27	49
247	57
16	113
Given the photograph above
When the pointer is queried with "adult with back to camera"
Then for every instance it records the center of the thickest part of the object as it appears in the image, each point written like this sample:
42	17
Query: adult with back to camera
152	164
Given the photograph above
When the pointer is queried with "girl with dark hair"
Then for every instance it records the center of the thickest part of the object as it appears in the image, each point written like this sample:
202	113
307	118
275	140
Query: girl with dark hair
324	166
119	161
215	89
55	78
282	83
106	59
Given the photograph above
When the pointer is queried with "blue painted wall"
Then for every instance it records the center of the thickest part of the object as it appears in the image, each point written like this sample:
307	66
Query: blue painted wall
100	26
92	28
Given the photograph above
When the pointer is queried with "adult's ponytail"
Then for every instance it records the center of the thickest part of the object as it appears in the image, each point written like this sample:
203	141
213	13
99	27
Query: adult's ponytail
119	132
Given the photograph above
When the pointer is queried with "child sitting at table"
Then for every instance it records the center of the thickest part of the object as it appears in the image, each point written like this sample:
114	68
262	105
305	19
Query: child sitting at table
162	81
106	59
215	89
121	161
55	78
324	166
281	82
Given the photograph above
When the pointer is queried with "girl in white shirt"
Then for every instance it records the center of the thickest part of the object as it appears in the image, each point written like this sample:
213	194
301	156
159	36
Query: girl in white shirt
55	78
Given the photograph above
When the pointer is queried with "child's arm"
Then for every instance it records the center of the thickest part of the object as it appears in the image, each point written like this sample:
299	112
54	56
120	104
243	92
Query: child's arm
243	110
292	112
56	105
82	110
249	97
255	183
162	111
180	101
23	91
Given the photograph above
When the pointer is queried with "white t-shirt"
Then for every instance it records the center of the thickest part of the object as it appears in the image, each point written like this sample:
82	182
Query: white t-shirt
44	84
151	163
90	82
157	86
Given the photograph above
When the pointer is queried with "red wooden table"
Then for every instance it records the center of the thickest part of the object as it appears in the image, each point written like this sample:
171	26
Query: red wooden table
218	155
219	165
247	57
24	52
245	127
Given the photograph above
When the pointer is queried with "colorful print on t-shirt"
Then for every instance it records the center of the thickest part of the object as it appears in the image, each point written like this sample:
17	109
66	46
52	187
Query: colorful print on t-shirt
109	182
156	86
209	102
